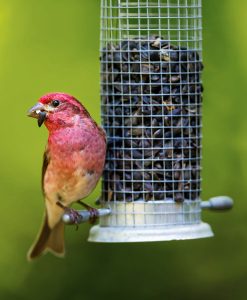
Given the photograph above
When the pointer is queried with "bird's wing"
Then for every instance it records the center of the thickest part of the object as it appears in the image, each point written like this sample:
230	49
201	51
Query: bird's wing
46	160
102	132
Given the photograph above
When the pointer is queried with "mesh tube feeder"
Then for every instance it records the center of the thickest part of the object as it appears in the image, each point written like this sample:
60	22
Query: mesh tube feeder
151	98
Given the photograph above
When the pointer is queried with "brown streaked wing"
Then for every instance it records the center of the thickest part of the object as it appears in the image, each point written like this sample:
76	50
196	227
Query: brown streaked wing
46	160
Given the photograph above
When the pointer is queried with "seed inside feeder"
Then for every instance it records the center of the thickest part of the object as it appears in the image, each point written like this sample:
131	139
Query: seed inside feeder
151	112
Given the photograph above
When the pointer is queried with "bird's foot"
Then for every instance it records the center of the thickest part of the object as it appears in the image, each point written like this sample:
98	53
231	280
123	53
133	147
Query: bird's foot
75	217
94	213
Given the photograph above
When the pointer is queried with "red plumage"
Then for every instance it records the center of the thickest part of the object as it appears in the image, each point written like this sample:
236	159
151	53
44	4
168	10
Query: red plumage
73	163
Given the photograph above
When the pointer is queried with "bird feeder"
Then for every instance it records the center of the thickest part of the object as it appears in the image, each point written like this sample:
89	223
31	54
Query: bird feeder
151	99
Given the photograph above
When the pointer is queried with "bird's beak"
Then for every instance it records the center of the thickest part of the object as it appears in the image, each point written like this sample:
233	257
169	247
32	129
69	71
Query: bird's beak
39	112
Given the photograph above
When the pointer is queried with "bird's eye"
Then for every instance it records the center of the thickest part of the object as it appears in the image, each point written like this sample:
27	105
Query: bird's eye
55	103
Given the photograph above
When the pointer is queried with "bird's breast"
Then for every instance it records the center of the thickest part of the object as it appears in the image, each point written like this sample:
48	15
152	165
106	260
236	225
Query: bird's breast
71	184
76	164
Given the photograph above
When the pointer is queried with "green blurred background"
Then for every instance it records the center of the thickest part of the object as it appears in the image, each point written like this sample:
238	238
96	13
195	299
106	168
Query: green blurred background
53	46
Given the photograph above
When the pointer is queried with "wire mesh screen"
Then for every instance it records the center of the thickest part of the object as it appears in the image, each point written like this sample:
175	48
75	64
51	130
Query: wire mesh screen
151	96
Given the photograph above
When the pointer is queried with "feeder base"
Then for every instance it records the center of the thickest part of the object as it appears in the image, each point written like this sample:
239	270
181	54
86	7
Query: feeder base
151	234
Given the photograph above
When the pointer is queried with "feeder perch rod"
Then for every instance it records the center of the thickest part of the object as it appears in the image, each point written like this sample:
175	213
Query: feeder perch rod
218	203
85	215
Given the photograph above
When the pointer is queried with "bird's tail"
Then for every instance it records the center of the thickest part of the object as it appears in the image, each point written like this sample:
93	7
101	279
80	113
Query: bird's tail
49	239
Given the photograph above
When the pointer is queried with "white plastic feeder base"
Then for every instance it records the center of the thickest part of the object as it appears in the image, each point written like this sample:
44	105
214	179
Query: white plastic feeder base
128	235
150	221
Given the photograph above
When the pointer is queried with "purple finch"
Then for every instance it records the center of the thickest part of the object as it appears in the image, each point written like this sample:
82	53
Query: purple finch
73	163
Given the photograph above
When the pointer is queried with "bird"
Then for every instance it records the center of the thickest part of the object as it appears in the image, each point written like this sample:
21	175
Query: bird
73	163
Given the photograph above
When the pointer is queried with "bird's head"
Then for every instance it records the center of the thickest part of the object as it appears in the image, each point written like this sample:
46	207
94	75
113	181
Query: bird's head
57	110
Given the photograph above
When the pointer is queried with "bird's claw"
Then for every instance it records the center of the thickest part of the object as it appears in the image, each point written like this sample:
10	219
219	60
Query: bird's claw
75	217
94	214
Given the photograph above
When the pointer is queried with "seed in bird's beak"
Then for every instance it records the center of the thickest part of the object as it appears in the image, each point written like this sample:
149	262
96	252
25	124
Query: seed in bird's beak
39	112
41	117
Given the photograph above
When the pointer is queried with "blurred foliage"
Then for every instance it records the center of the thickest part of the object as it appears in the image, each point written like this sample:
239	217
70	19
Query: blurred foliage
53	46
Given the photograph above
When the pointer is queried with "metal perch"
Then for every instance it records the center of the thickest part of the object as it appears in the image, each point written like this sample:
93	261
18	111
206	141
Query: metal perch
85	215
220	203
